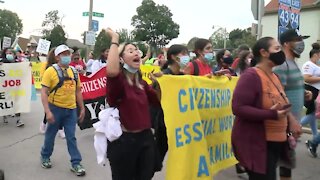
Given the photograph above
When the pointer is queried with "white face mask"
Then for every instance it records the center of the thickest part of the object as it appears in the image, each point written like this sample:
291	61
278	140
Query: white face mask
130	69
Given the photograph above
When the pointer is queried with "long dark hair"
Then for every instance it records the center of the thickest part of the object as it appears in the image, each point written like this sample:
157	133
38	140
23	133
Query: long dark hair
242	60
199	45
173	51
102	57
4	51
263	43
51	58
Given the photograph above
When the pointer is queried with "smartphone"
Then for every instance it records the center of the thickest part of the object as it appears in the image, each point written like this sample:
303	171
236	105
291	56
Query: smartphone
286	106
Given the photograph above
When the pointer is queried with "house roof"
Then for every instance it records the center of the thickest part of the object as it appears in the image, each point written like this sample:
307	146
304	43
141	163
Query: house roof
21	42
273	5
70	42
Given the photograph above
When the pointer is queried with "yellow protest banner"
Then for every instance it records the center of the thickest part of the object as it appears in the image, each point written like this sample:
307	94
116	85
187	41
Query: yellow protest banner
199	119
146	70
36	69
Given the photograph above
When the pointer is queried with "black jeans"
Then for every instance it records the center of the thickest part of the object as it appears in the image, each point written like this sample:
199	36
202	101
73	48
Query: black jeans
274	149
132	156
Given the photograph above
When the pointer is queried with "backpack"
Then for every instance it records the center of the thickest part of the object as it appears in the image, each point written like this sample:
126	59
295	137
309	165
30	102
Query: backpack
62	78
195	68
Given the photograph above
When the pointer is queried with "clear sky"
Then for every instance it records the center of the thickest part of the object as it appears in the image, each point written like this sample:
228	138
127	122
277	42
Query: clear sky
195	17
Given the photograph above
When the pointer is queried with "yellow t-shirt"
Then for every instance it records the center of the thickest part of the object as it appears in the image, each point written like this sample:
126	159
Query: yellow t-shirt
65	96
43	68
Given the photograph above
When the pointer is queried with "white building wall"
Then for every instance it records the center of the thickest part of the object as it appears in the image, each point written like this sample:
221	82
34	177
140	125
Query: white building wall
309	25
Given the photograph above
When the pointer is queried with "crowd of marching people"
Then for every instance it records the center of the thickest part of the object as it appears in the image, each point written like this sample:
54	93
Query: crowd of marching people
267	102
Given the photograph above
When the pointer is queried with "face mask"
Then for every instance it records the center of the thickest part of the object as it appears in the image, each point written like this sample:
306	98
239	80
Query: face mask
65	60
249	61
208	57
129	68
184	61
298	48
228	60
318	62
10	57
278	58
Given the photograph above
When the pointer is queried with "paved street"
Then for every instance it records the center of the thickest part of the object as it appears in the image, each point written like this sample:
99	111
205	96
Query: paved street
20	147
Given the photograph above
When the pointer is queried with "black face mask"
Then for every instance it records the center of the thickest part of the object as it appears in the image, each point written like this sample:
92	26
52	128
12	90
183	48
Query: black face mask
278	58
228	60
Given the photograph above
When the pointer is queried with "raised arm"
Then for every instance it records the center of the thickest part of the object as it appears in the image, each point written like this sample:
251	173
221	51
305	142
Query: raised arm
113	68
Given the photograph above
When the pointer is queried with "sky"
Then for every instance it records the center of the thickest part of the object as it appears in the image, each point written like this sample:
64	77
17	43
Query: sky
196	18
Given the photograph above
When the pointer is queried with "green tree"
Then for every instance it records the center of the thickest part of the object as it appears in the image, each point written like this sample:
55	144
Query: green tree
51	20
241	36
218	37
57	36
153	24
10	24
102	41
125	36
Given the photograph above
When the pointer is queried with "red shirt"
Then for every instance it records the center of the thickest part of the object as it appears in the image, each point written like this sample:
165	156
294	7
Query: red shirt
235	63
78	65
132	102
204	68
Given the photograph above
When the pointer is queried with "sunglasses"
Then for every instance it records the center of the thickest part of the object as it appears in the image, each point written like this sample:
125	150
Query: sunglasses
76	58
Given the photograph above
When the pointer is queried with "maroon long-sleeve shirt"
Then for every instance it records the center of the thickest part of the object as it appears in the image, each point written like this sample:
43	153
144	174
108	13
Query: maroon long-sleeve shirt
248	133
132	102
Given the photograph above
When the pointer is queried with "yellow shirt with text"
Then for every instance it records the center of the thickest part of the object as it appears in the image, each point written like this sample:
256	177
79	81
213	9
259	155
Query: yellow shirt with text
65	96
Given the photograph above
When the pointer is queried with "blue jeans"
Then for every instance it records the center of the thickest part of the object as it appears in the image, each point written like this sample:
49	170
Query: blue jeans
66	118
312	121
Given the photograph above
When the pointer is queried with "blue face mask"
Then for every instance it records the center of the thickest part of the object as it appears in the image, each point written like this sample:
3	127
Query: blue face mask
184	60
9	57
208	57
130	69
65	60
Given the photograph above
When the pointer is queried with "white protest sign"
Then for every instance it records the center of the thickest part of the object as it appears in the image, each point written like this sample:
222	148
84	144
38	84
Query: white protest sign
6	42
90	38
15	88
43	46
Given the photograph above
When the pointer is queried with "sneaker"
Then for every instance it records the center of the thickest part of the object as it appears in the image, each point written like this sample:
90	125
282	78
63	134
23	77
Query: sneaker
62	134
43	127
78	170
20	123
312	149
46	163
240	169
5	119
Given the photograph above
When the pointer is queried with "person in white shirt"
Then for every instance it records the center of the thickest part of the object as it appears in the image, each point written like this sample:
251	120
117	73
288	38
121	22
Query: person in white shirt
102	62
311	74
90	63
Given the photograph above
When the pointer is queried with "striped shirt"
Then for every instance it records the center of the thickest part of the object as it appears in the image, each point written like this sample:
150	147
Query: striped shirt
293	82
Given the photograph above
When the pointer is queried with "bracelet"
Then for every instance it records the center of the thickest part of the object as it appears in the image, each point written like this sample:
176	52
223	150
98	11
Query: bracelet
115	43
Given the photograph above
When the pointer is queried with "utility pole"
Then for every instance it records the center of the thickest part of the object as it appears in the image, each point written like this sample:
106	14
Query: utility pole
90	15
225	38
89	48
260	13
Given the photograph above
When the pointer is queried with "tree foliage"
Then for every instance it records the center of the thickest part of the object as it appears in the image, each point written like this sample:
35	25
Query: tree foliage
51	20
125	36
57	36
153	23
102	41
218	37
10	24
239	37
235	38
